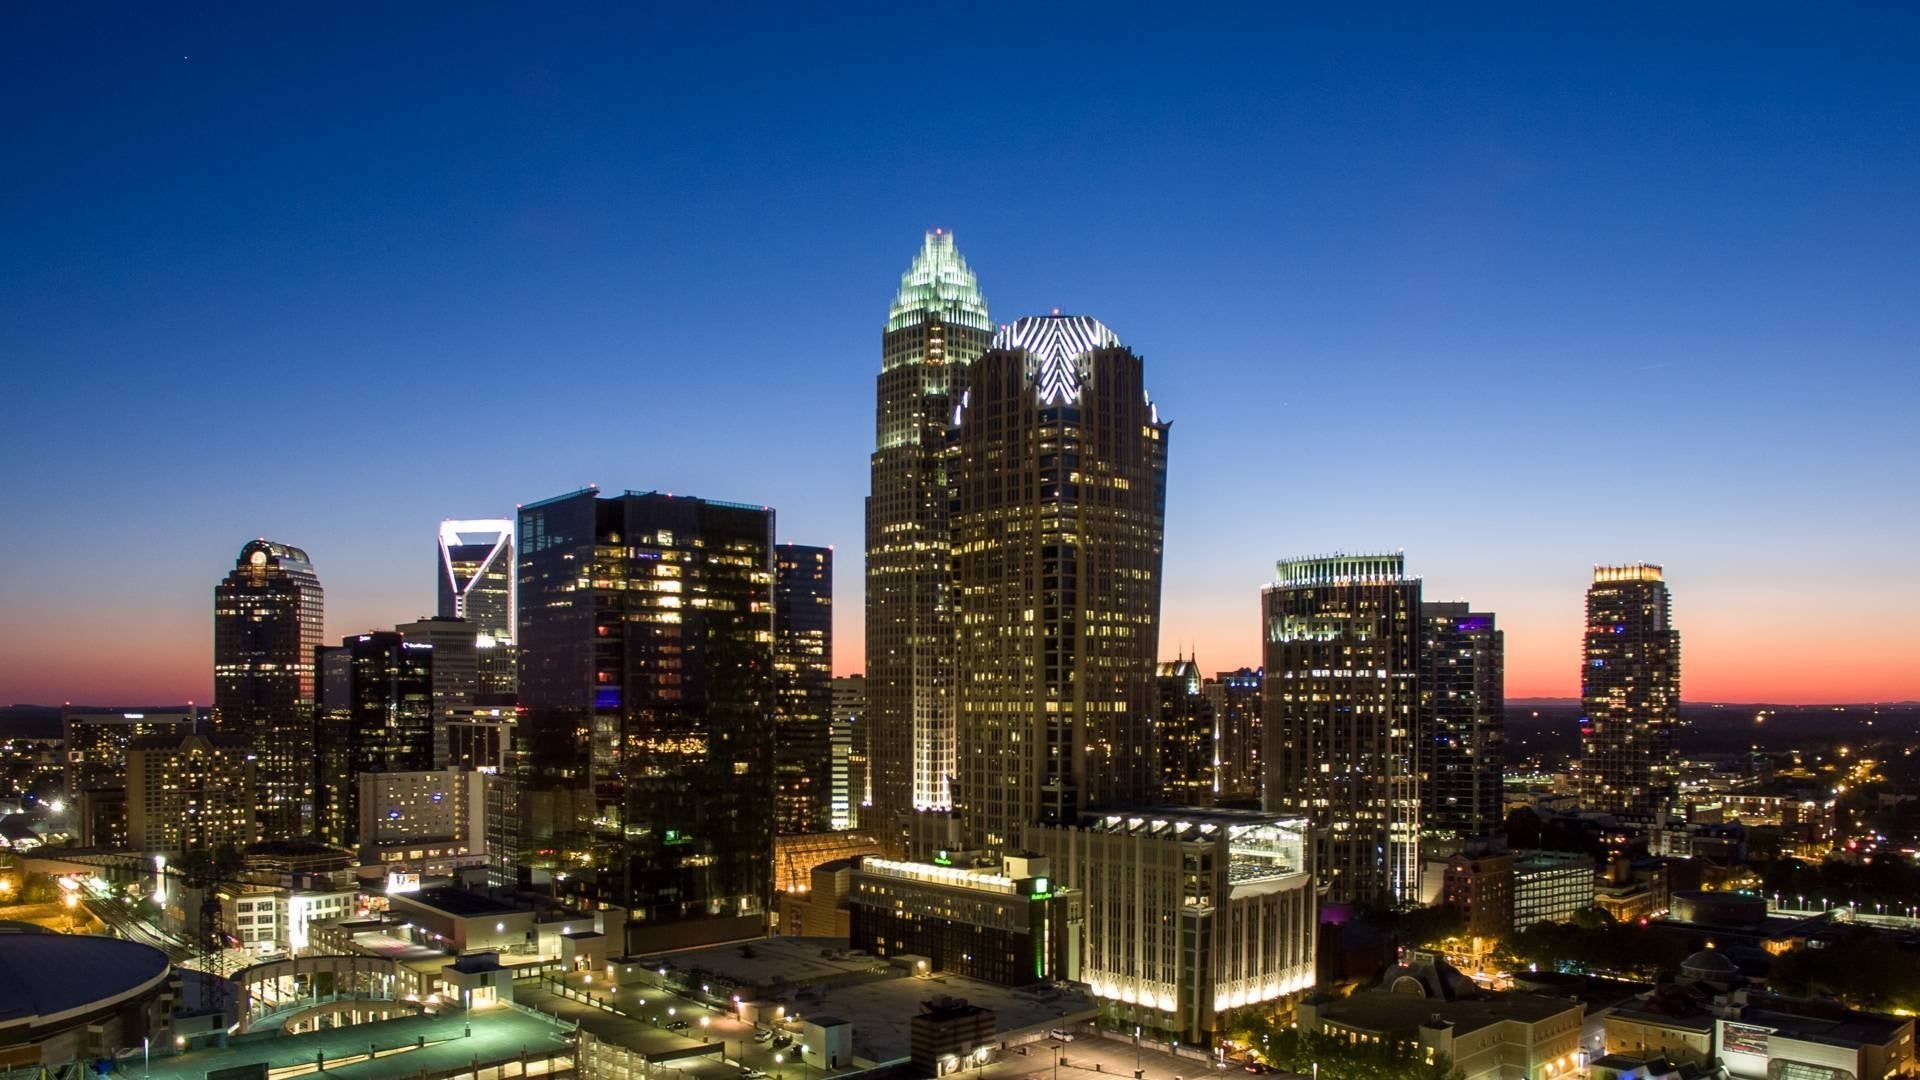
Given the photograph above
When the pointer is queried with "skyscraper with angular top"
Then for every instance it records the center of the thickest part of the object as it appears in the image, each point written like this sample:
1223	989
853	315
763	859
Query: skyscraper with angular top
1058	469
1629	691
936	326
475	583
1342	700
268	618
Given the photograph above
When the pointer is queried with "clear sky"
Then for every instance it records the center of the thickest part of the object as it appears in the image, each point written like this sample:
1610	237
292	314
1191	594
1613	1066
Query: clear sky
1516	290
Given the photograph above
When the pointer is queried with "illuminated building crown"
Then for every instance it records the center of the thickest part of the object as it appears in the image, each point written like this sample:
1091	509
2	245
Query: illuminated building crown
939	282
1057	347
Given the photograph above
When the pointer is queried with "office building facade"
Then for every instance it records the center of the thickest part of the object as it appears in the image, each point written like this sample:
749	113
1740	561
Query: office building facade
1189	913
1058	470
456	662
1342	701
1010	925
190	792
1186	738
647	693
374	714
1629	692
852	757
1462	721
475	583
937	325
1236	700
268	618
803	688
1550	886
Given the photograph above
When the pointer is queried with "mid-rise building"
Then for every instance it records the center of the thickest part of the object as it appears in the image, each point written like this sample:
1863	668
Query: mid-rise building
1550	886
475	575
936	326
1189	913
1629	692
374	714
803	687
1011	924
1186	737
194	792
1058	466
427	823
1463	721
1479	885
96	765
268	616
1342	701
646	684
1235	698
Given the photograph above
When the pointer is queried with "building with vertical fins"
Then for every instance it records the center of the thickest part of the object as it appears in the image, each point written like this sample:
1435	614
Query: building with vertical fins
937	325
476	584
1058	468
1462	721
647	703
268	618
803	763
1342	700
1186	738
1629	692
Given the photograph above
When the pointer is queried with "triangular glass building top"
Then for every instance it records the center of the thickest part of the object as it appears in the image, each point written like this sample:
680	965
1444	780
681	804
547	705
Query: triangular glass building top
939	283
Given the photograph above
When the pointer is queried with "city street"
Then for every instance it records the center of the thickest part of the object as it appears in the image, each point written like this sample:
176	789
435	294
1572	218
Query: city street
1091	1056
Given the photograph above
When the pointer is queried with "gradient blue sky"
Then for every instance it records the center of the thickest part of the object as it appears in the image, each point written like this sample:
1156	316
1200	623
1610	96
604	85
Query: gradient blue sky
1516	289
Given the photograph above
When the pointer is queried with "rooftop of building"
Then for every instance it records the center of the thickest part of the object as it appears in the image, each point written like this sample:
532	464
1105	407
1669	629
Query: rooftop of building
1384	1011
44	975
1550	860
1829	1025
459	903
1159	818
428	1044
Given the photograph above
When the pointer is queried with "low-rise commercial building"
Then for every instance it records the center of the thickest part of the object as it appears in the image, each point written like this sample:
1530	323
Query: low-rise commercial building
1189	913
1010	925
463	922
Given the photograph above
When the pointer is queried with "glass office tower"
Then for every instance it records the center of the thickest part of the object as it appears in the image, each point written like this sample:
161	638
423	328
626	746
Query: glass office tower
268	618
803	685
374	713
475	583
1462	721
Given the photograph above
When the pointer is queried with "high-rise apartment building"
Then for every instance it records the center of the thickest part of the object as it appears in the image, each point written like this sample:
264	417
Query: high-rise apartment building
803	688
1629	691
1462	721
647	693
1185	737
1236	700
936	326
268	616
1058	466
190	792
374	714
1342	700
476	584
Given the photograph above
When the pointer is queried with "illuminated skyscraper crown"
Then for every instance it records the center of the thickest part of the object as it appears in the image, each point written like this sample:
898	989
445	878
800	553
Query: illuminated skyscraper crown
1608	575
939	283
1058	346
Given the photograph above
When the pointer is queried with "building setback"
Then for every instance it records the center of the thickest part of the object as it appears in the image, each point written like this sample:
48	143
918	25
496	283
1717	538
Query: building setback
936	326
1462	721
1058	468
268	616
1629	692
1342	694
803	688
646	684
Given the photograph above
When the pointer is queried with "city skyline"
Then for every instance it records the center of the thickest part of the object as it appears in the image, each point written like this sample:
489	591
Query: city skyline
1629	281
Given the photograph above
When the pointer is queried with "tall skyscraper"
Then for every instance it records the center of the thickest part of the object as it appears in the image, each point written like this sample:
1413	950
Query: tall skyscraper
1186	738
268	618
1342	700
803	686
646	684
476	584
1629	691
937	325
1058	466
1462	721
456	663
1236	700
374	714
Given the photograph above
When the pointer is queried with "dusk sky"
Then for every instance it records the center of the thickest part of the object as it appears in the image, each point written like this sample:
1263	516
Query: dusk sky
1516	292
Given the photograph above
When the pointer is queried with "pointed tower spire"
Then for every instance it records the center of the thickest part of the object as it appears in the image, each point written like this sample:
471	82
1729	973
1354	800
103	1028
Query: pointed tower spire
939	282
